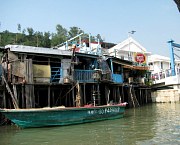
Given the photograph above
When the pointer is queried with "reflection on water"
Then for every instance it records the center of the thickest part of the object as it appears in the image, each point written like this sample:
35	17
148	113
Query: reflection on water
149	125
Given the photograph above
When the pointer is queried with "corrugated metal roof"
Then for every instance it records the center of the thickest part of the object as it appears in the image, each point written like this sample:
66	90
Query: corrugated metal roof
37	50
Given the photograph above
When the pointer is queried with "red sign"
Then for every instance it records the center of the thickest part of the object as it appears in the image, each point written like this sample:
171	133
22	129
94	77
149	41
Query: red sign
139	57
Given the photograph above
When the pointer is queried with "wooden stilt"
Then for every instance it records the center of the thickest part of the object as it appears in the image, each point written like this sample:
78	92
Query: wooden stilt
49	96
84	89
22	95
15	94
38	98
133	97
146	95
14	100
114	94
140	93
107	94
66	99
93	96
78	96
4	98
122	93
52	97
18	96
119	95
143	97
98	94
73	97
60	101
49	89
29	87
84	93
28	105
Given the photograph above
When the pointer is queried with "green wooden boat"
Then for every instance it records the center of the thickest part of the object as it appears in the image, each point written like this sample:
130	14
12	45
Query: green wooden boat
40	117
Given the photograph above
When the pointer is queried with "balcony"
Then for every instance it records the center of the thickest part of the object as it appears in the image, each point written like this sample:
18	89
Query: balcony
87	76
84	75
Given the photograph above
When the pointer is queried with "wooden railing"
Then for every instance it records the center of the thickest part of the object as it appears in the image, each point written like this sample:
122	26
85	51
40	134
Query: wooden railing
56	73
87	76
84	75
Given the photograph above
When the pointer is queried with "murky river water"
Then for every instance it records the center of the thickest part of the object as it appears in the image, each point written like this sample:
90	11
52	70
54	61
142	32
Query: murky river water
155	124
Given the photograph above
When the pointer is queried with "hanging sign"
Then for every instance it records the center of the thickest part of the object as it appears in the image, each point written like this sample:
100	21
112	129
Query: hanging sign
140	58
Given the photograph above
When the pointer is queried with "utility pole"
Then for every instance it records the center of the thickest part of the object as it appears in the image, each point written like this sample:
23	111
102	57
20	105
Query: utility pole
129	53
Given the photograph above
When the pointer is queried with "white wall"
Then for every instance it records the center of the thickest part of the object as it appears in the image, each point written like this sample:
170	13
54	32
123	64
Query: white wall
156	66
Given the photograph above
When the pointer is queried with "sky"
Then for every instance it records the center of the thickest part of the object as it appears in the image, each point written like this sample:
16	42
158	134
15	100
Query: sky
155	21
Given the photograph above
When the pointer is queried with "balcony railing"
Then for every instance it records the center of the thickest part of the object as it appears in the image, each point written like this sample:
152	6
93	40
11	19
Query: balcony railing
87	76
84	75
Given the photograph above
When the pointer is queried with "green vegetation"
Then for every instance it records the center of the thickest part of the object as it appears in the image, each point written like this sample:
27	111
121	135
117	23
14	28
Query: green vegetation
42	39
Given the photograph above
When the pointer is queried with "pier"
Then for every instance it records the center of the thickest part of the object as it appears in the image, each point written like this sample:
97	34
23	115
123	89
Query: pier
166	82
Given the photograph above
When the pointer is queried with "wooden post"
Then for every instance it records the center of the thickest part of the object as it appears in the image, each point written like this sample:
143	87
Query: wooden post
119	95
52	97
78	96
49	89
93	95
28	105
141	96
14	100
122	93
146	95
49	96
29	87
73	97
114	94
106	95
22	95
98	94
4	98
15	94
38	98
84	89
84	93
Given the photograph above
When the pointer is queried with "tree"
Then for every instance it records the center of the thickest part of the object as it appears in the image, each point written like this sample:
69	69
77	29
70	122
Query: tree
99	37
30	31
74	31
31	38
46	40
60	30
24	31
38	38
59	37
19	27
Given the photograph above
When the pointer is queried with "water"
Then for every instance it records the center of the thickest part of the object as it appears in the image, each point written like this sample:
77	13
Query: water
155	124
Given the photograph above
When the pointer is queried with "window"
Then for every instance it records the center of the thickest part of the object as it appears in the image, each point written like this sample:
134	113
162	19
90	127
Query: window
161	65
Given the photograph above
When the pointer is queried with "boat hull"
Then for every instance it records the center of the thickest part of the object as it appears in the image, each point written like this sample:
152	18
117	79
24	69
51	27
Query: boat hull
62	116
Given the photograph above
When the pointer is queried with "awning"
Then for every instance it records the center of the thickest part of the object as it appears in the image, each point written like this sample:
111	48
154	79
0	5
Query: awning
126	65
136	67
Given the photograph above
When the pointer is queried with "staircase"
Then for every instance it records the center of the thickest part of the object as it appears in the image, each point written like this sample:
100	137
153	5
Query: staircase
133	96
56	73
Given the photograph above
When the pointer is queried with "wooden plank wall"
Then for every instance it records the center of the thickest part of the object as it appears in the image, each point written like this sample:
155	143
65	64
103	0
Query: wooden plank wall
29	86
